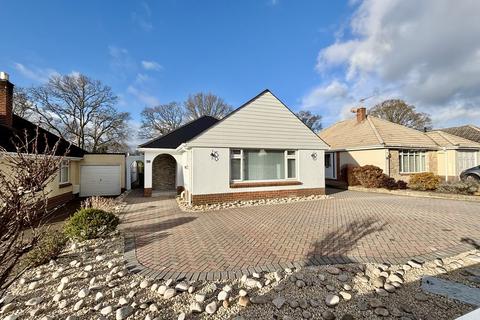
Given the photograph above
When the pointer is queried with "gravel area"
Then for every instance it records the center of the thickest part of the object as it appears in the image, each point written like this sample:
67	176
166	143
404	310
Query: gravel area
185	206
89	281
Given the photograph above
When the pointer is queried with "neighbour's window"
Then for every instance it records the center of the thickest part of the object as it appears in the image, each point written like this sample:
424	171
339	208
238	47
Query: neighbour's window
262	164
412	161
64	172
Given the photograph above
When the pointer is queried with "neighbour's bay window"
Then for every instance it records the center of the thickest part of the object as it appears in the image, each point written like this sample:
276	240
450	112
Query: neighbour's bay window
412	161
263	164
64	172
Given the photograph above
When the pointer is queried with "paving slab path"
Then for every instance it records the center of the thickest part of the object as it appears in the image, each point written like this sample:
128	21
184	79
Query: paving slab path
164	242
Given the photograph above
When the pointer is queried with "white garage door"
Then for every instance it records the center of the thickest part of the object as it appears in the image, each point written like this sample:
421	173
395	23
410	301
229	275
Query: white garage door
99	181
466	160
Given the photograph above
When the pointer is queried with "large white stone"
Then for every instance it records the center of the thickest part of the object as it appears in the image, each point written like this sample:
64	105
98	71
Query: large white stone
211	308
107	310
124	313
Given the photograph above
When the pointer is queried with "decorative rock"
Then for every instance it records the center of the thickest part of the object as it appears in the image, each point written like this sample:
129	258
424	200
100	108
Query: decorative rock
321	277
73	263
161	290
98	296
226	304
107	310
61	286
314	303
222	296
122	301
195	307
243	301
440	270
169	282
376	303
34	301
389	287
182	316
332	300
11	317
306	314
406	267
153	307
62	304
300	283
414	264
259	300
33	285
78	305
242	293
83	293
144	284
191	289
345	295
395	278
330	287
347	287
333	270
88	268
396	284
421	297
256	275
99	258
169	293
381	292
57	297
124	312
363	279
381	312
199	298
211	308
343	277
7	308
182	287
328	315
252	283
362	305
438	262
278	302
278	275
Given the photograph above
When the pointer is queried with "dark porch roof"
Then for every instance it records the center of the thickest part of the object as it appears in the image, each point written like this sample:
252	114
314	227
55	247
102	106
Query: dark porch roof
181	135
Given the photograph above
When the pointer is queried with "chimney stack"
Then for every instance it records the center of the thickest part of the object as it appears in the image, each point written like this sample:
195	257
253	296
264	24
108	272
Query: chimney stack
361	114
6	100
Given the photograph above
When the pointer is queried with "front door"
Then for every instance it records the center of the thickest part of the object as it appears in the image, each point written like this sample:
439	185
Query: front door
330	172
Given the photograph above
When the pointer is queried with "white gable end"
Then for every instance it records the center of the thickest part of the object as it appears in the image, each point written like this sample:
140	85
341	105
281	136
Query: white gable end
262	123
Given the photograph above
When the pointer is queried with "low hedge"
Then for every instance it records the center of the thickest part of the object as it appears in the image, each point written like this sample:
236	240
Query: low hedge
425	181
48	248
459	187
90	224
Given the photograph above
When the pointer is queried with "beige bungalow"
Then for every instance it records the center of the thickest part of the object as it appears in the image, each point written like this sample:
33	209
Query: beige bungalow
81	173
398	150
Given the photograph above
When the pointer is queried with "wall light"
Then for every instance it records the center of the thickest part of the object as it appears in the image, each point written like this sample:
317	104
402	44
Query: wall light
314	156
214	155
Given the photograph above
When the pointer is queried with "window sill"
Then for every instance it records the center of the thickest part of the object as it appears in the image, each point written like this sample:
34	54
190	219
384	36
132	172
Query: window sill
64	185
264	184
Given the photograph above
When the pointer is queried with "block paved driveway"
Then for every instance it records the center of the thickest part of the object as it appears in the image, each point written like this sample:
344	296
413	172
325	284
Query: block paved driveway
165	242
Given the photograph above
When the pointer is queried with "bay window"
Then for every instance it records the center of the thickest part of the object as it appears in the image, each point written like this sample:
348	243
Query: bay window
64	176
412	161
262	164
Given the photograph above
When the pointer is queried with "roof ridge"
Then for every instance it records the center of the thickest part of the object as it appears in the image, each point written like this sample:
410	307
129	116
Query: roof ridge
446	137
375	131
473	127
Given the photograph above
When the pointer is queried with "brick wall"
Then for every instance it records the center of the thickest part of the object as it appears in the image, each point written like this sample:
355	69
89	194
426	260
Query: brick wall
163	173
395	165
59	200
432	162
6	102
255	195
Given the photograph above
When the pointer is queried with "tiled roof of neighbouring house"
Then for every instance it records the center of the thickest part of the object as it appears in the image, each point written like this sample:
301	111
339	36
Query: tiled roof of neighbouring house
181	135
469	132
20	126
444	139
374	132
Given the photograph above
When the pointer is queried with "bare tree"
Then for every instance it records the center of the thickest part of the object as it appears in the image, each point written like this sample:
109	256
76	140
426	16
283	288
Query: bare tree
22	104
81	110
313	121
23	199
206	104
161	119
398	111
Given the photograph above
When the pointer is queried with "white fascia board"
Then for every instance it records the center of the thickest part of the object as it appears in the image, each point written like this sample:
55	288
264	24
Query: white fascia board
259	147
158	150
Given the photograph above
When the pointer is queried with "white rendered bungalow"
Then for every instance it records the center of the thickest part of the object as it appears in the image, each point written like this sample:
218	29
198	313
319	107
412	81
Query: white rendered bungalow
260	150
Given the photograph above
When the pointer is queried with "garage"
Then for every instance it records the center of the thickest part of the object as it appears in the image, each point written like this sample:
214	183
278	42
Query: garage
100	180
466	160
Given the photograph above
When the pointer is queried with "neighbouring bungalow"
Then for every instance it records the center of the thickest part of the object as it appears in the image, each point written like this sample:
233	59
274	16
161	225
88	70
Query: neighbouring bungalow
81	173
399	151
261	150
468	131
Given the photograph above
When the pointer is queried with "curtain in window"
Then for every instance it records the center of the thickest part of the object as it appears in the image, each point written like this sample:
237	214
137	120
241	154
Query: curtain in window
264	164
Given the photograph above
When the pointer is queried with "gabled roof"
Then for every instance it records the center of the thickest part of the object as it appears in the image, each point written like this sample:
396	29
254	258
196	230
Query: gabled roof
374	132
469	132
20	126
182	134
444	139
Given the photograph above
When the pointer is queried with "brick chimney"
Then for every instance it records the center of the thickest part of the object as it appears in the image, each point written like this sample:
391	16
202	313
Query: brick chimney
361	114
6	100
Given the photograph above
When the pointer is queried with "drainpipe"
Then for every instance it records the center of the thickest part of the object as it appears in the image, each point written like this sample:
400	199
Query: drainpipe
446	164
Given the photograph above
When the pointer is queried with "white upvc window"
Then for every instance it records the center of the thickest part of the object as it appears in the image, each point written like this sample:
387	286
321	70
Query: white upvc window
263	165
64	176
412	161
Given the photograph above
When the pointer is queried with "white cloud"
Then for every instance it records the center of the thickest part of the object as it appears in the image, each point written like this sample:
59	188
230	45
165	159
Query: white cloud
36	74
151	65
144	97
425	52
143	17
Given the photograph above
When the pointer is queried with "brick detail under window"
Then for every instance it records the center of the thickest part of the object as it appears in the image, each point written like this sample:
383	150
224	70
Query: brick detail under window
264	184
59	200
254	195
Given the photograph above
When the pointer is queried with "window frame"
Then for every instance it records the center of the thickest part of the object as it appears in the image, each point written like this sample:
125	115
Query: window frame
404	158
64	164
286	157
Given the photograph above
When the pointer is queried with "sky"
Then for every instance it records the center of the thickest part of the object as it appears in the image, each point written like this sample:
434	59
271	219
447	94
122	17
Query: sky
322	56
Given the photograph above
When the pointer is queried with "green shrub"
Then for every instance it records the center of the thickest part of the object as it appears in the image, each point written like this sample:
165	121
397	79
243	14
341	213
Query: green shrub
48	248
370	176
424	181
459	187
90	224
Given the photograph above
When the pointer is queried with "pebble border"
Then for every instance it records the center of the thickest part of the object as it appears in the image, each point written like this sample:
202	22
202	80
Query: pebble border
134	266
